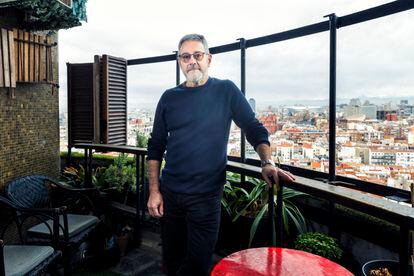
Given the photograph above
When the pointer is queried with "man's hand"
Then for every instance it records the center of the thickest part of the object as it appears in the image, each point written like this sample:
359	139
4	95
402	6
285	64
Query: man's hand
155	204
269	171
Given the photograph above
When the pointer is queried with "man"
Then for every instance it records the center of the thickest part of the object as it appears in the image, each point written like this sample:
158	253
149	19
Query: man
192	123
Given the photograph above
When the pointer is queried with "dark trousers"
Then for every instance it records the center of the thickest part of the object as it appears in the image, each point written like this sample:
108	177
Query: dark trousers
189	231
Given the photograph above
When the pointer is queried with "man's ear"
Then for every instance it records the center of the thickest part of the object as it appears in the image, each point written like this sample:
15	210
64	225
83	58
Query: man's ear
210	56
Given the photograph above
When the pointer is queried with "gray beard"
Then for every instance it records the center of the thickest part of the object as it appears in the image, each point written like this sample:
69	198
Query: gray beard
194	76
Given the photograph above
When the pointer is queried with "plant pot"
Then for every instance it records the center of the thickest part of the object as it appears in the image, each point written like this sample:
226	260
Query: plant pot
262	236
123	243
234	236
392	265
125	240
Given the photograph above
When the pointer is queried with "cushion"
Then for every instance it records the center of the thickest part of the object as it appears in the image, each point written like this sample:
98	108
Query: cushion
29	191
76	224
21	259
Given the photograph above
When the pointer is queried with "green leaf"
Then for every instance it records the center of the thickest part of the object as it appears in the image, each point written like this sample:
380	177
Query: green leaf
255	224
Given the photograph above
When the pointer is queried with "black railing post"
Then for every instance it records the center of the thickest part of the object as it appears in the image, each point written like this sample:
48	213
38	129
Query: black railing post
85	152
243	90
279	220
69	156
86	168
137	231
177	70
275	232
144	189
90	168
332	95
138	194
271	212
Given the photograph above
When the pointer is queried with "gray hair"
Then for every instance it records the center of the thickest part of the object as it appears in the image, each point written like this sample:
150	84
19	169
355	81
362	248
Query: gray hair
194	37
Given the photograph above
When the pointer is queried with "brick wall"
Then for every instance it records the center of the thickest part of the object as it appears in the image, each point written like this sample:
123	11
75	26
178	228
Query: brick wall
29	129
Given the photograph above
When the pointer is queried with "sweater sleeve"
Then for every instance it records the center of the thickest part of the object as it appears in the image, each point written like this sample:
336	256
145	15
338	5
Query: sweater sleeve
244	117
157	143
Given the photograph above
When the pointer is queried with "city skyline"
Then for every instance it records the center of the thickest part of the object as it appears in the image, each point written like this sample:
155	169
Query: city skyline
304	102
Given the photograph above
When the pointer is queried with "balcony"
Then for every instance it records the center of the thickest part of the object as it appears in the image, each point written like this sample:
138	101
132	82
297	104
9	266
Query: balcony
334	207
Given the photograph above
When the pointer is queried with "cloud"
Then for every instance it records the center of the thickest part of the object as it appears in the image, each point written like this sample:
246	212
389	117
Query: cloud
373	57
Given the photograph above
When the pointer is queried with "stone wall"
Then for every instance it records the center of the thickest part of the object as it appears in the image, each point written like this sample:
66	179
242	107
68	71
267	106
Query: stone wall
29	129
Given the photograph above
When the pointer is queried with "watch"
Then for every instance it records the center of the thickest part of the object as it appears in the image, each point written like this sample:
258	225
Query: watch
267	162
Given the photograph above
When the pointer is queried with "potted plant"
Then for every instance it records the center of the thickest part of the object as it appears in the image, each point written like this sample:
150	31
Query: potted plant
76	176
120	178
251	203
319	244
382	267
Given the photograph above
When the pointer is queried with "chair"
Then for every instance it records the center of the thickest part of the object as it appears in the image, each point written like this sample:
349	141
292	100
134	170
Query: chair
38	191
22	259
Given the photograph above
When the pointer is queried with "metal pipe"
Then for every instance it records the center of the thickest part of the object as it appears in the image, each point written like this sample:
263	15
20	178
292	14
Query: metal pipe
243	90
332	95
271	212
144	191
138	198
90	168
86	166
279	208
69	156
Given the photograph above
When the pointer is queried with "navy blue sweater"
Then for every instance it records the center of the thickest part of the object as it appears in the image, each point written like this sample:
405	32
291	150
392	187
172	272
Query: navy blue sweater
193	125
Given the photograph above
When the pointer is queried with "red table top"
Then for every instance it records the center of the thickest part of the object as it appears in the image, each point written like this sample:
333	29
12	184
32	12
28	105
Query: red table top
276	261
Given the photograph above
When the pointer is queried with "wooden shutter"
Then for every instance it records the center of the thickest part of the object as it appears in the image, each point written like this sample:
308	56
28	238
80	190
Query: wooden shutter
33	57
7	59
114	100
82	124
97	101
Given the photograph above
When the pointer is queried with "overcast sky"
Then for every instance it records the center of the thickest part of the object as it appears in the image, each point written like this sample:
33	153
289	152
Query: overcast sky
375	58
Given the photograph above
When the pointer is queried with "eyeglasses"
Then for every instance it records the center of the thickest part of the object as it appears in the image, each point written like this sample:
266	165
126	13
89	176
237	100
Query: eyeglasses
197	56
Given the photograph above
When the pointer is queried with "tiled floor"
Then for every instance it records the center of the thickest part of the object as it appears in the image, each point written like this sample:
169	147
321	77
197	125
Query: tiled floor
144	260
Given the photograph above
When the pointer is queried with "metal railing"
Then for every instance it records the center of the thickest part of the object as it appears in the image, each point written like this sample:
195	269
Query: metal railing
400	215
331	190
332	24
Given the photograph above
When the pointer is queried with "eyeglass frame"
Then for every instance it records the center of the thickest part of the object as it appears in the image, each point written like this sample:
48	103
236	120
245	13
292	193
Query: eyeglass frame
192	55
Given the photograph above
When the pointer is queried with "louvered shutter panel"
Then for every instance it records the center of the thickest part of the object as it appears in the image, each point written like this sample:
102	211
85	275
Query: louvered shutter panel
81	114
114	100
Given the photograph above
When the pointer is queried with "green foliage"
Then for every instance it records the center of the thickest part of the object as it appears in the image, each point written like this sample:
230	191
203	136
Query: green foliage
76	177
51	15
120	175
319	244
142	140
252	201
75	154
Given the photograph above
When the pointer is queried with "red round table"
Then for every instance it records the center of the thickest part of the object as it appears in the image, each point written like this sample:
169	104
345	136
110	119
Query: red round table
276	261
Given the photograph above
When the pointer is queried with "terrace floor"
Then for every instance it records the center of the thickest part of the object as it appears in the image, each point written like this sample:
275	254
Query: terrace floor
144	260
